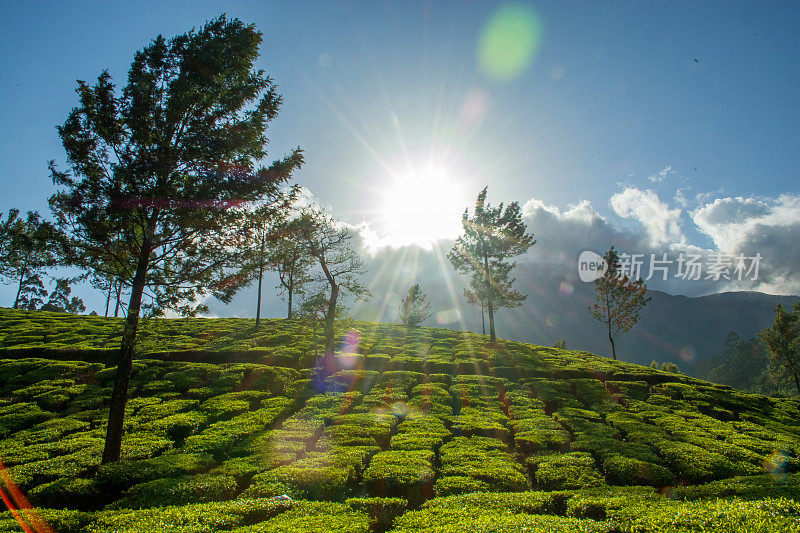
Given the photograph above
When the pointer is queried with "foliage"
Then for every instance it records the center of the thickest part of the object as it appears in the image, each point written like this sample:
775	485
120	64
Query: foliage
60	301
329	244
491	237
414	309
782	340
375	445
27	248
158	174
619	299
293	264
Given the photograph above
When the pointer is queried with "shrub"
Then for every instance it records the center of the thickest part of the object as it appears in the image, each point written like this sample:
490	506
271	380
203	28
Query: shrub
19	416
75	493
304	479
621	470
450	485
177	491
568	471
114	477
381	511
402	473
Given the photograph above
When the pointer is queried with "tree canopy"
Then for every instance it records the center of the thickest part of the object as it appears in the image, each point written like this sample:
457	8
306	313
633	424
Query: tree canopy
340	265
28	247
160	174
618	299
782	340
492	235
415	308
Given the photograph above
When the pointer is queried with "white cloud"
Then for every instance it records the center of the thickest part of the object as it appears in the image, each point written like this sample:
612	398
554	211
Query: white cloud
661	223
735	225
770	227
661	175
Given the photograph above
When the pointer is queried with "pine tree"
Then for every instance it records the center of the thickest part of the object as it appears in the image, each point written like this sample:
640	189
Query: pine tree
161	172
782	340
492	235
619	300
29	247
414	309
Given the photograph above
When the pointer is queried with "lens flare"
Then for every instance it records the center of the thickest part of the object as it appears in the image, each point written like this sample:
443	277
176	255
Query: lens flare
448	316
509	42
688	353
775	463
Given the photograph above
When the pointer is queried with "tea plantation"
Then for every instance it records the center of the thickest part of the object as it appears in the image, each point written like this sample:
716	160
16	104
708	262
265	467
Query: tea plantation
233	428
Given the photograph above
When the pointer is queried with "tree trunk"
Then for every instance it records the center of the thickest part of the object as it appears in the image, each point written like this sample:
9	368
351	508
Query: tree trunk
483	321
108	298
608	322
258	305
796	381
119	296
611	340
119	397
330	316
489	306
21	280
290	290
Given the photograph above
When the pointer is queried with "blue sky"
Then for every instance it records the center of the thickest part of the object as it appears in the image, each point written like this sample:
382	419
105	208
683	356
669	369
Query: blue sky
616	92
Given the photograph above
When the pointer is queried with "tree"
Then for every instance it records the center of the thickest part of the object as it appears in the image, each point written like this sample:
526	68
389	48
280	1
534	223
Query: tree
560	344
415	308
341	266
29	247
618	299
60	300
161	175
782	340
265	223
313	308
293	263
491	236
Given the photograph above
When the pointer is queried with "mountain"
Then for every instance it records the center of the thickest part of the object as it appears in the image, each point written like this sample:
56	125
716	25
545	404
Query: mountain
673	328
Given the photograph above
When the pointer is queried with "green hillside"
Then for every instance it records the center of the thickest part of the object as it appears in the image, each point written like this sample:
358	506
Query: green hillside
229	428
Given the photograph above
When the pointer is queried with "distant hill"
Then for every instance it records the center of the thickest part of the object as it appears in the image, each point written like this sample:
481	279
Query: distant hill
673	328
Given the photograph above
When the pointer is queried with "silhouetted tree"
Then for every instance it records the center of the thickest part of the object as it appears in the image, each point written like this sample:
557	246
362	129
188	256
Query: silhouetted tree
414	309
29	247
60	301
341	266
265	224
163	168
618	299
782	340
491	237
290	258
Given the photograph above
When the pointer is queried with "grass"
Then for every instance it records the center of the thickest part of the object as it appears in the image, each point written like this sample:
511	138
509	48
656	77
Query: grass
237	429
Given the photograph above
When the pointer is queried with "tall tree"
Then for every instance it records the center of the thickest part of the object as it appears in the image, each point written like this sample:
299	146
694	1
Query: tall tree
340	264
29	247
264	225
293	263
60	301
492	235
164	169
619	299
782	340
415	308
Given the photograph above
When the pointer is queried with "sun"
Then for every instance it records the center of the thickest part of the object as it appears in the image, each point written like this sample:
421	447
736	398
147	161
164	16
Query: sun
421	207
